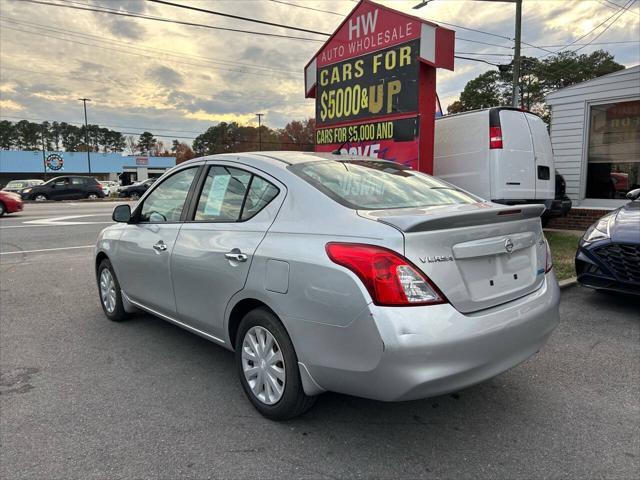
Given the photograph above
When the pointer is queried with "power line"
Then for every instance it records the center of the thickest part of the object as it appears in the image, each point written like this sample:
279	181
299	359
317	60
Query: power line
605	29
178	22
610	4
130	46
307	8
238	17
590	43
592	30
127	52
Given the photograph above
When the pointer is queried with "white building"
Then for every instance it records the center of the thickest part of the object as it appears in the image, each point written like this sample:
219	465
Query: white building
595	133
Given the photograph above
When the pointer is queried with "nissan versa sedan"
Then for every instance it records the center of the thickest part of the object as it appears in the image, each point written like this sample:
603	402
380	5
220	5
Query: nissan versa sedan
333	273
608	257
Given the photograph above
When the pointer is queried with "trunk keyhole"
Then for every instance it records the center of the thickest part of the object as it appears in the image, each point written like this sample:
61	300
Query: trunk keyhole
515	276
491	282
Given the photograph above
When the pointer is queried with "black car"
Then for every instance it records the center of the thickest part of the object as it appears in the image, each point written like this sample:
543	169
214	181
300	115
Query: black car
560	205
136	190
64	188
608	257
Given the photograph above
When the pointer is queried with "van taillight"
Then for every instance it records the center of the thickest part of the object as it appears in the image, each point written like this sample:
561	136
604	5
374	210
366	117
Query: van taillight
495	137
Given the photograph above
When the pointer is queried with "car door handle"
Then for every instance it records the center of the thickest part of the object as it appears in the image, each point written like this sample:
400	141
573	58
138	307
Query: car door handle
236	256
160	246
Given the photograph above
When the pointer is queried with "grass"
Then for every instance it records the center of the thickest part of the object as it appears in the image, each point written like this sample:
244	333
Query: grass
563	250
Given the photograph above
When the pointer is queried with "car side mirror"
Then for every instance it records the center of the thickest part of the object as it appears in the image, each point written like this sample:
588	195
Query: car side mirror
634	194
122	214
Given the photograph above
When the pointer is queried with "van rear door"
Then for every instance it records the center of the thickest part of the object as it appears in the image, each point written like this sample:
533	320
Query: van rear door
544	175
513	164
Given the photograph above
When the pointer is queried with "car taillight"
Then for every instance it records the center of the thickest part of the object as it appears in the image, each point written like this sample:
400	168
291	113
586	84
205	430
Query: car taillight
495	137
100	186
389	277
548	261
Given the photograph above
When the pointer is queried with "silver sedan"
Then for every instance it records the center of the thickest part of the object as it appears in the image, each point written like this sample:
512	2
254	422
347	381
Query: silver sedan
333	273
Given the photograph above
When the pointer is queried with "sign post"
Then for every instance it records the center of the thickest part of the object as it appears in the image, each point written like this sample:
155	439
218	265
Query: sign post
374	82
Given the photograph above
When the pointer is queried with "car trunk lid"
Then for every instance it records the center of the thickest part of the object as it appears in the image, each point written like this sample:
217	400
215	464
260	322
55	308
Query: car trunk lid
479	255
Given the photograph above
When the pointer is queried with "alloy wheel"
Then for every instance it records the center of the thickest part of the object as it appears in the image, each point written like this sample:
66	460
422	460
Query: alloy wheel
263	365
40	198
107	290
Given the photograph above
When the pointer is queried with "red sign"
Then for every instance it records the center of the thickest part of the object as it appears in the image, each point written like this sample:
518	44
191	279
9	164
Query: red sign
405	153
369	29
142	160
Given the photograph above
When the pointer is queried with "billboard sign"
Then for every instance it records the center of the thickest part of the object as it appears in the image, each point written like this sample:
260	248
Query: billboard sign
374	81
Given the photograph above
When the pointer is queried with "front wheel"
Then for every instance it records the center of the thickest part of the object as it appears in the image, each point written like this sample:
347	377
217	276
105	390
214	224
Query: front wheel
40	197
3	209
268	367
134	196
109	290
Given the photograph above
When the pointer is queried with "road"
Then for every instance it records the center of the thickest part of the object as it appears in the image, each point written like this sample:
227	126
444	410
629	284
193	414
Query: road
82	397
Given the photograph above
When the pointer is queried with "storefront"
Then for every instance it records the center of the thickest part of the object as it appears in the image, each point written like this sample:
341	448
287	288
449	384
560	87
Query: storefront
595	133
18	165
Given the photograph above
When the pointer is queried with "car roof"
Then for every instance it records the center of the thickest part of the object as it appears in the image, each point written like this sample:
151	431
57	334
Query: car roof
284	158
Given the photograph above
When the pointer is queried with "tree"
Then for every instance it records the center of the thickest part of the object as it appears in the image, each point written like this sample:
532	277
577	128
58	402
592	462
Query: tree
146	143
29	135
8	135
538	78
298	135
183	152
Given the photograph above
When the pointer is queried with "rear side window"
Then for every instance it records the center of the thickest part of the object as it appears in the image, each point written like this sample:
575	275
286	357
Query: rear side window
230	195
78	181
373	185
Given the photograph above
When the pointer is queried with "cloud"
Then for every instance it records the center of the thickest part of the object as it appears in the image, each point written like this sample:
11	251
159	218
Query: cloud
165	76
10	105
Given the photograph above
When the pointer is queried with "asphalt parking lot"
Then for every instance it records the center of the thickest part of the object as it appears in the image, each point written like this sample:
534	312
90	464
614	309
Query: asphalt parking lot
82	397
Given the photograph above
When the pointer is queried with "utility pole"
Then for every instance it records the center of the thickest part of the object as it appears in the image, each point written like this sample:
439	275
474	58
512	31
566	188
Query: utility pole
516	50
260	115
516	54
44	153
86	131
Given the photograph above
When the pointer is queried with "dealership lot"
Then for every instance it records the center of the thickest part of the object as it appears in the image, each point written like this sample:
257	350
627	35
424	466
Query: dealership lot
83	397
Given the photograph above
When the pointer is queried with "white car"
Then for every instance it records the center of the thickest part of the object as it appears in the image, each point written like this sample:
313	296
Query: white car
109	187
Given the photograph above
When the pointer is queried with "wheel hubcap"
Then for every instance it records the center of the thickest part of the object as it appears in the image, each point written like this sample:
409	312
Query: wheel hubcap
263	365
40	198
107	290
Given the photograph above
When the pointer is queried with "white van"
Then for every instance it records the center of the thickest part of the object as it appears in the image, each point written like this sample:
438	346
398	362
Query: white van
501	154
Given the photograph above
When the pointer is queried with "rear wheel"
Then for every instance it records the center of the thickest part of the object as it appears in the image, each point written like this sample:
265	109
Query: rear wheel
92	196
268	367
134	196
109	290
40	197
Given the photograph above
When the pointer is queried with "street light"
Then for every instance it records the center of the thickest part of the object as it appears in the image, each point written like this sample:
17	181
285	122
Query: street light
86	131
516	51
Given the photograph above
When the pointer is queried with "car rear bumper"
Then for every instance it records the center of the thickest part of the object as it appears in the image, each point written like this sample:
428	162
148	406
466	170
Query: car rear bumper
429	351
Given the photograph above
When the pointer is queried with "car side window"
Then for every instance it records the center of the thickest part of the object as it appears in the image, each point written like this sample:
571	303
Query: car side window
259	196
222	195
61	182
77	181
166	201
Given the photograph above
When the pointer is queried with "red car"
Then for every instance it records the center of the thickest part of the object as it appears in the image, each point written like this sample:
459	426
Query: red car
10	202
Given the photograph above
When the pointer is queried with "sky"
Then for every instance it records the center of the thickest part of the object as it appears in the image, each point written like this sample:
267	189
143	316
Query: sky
176	80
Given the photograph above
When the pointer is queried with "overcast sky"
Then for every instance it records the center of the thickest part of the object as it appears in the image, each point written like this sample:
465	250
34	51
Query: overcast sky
177	80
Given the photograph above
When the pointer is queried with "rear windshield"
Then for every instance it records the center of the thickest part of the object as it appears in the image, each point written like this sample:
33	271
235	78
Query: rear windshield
374	185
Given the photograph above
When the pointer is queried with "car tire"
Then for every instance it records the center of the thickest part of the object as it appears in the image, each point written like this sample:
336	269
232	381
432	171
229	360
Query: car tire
291	401
40	197
3	209
93	196
109	292
134	196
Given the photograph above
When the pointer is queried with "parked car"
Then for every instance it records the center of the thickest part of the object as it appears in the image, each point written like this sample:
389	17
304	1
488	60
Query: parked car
17	186
10	202
561	203
64	188
333	273
109	187
503	154
608	257
135	191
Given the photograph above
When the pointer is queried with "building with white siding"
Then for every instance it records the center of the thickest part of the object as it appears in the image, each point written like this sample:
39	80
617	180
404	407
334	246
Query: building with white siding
595	133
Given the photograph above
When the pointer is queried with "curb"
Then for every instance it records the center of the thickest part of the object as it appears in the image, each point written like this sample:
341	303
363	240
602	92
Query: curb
567	282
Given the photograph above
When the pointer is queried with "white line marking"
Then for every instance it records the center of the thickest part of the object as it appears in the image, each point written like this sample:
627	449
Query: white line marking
45	250
62	220
57	225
